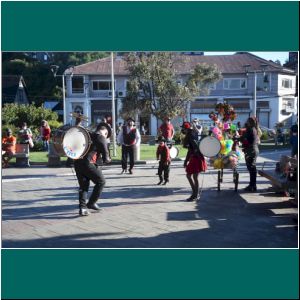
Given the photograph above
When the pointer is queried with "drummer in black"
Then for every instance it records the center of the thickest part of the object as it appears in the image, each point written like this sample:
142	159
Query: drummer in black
87	169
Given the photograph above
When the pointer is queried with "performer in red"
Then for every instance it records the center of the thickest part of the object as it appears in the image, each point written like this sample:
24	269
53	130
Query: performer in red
129	137
167	130
163	155
194	162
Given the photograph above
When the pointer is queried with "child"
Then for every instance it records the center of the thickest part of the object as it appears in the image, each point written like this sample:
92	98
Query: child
163	155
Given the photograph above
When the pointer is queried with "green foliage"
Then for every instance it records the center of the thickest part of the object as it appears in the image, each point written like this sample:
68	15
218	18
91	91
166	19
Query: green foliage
54	124
14	114
264	136
40	82
154	87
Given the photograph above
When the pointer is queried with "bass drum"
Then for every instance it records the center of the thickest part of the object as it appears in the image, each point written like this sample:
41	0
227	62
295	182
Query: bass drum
174	152
72	141
210	146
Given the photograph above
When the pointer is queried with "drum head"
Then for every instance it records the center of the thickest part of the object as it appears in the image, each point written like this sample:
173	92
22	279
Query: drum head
174	152
76	142
210	146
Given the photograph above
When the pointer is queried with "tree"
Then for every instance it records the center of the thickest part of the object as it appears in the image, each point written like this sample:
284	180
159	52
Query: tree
154	85
14	114
40	82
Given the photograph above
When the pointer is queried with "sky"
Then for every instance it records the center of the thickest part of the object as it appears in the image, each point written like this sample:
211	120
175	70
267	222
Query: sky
282	56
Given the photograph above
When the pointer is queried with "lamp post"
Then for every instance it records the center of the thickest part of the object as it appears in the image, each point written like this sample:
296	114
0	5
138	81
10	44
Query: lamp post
113	106
262	69
54	69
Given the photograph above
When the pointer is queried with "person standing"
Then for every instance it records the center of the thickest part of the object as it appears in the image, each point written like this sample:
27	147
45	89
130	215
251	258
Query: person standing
294	139
45	132
163	155
194	162
250	142
129	137
87	170
167	130
197	129
8	147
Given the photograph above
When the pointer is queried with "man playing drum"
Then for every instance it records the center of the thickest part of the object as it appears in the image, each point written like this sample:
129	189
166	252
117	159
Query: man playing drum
87	169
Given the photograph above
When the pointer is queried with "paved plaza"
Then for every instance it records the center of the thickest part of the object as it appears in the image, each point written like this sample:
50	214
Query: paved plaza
40	210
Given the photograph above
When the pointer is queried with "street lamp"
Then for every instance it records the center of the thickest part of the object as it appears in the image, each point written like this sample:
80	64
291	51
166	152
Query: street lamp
262	69
54	69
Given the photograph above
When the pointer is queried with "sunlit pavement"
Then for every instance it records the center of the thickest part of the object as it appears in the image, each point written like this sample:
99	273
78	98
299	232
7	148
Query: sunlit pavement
40	210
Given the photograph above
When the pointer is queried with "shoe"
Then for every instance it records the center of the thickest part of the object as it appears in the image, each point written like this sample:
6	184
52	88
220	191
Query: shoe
130	171
166	181
93	206
192	198
250	188
83	212
160	182
123	171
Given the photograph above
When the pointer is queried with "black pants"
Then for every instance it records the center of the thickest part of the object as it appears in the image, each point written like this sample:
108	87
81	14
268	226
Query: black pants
127	151
86	171
250	158
163	168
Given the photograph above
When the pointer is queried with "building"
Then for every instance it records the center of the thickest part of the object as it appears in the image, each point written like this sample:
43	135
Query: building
89	89
14	90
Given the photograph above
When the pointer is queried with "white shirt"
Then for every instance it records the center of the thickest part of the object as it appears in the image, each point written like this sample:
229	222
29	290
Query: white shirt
137	136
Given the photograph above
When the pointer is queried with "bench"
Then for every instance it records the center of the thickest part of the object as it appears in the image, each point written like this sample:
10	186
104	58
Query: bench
283	177
22	155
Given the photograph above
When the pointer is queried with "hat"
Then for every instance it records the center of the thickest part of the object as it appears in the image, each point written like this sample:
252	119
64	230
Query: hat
130	119
161	139
102	124
186	125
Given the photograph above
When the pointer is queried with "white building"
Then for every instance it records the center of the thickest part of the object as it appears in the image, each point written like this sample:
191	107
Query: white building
89	89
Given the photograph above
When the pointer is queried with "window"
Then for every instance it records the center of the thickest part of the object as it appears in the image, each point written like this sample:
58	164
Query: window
262	82
287	83
235	83
287	103
263	104
102	85
77	85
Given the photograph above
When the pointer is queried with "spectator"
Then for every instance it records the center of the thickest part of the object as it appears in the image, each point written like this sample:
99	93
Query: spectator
250	147
196	130
144	129
8	148
25	135
45	134
294	139
167	130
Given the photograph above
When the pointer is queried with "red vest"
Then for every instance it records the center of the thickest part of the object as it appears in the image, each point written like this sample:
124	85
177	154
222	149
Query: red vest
129	138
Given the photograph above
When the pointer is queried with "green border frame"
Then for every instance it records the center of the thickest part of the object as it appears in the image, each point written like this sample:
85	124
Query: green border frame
189	26
157	273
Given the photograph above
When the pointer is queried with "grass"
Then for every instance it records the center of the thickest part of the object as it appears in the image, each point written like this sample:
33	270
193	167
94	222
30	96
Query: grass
148	152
